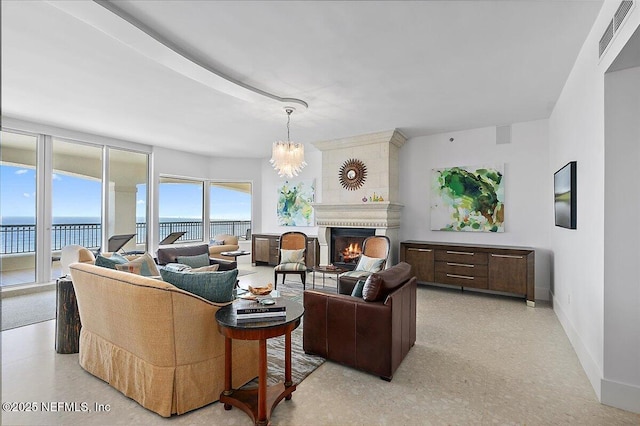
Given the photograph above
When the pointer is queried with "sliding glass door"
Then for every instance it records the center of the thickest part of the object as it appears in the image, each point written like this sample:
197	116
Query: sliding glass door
76	199
18	159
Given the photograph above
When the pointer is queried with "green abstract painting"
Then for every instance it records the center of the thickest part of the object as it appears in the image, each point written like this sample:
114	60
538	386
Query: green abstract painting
468	199
294	203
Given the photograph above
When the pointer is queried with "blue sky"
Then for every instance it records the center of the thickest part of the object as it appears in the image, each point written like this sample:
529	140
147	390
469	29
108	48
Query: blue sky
18	198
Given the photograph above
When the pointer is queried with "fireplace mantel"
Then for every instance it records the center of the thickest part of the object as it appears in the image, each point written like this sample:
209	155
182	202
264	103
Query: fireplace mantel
362	215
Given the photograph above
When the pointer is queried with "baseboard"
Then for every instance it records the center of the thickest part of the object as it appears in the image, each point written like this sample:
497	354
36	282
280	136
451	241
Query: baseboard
589	365
21	290
621	395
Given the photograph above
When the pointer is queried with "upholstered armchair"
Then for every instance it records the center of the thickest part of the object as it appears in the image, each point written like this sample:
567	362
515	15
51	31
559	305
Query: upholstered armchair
291	257
375	252
372	332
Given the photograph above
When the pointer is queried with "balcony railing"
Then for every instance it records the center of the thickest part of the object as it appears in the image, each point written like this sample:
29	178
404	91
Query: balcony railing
15	239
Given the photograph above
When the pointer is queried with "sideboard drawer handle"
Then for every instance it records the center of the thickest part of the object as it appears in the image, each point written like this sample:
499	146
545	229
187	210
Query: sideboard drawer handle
419	249
460	276
461	252
466	265
510	256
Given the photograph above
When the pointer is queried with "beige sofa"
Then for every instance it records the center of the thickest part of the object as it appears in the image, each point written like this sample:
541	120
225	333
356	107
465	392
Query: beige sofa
153	342
230	244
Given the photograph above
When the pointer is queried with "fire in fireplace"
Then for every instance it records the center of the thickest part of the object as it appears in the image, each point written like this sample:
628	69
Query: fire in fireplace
346	246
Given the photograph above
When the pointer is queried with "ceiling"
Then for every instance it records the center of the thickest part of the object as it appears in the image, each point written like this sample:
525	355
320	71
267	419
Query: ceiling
423	67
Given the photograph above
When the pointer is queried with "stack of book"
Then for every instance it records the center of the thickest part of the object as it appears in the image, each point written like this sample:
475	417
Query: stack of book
254	311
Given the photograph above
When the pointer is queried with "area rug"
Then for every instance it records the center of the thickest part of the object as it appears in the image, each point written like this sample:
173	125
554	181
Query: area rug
301	364
18	311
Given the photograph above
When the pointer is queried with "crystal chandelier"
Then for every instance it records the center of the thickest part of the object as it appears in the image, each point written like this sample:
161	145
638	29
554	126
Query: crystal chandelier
287	158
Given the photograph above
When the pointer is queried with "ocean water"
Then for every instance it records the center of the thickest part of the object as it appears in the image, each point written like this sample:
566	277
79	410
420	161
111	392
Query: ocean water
18	234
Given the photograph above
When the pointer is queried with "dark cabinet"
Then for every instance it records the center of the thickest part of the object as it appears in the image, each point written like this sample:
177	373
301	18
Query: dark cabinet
265	247
496	268
421	260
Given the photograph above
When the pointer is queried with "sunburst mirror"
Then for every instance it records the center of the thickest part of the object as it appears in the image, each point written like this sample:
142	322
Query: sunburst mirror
352	174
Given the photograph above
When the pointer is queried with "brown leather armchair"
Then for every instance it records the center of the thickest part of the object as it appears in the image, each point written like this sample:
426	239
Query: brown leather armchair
373	333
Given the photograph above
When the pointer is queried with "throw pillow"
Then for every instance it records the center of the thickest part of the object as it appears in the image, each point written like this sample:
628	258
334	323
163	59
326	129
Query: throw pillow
210	268
177	267
357	289
372	290
110	262
148	266
133	268
216	242
369	264
292	256
197	261
214	286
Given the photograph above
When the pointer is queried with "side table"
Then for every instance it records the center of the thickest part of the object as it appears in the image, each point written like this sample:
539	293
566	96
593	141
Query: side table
67	318
325	270
258	403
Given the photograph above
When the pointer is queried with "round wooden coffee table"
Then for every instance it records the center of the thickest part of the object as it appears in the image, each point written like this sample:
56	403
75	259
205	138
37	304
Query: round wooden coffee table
258	403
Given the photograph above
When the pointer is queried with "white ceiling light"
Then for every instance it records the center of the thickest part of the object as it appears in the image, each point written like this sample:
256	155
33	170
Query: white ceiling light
108	18
288	157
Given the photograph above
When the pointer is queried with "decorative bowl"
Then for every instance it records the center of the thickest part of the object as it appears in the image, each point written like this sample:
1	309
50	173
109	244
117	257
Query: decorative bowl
261	291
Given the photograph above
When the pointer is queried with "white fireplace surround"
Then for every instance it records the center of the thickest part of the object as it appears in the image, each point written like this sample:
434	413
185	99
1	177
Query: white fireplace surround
341	208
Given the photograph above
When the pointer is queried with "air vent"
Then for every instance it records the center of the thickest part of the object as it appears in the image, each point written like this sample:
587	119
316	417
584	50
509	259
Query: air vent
615	24
622	11
606	38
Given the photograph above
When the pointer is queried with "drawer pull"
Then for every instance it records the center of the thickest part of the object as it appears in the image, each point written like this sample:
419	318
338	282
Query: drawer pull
419	249
461	252
466	265
460	276
510	256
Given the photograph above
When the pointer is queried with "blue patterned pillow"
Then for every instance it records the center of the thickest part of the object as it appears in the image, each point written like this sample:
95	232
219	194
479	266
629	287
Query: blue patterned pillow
110	262
369	264
197	261
214	286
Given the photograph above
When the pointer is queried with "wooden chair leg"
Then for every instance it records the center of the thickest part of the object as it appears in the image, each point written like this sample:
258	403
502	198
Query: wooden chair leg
275	280
303	276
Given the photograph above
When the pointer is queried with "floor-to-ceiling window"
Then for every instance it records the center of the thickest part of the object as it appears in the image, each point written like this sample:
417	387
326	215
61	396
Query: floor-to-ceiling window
76	199
230	208
18	159
127	202
54	192
181	208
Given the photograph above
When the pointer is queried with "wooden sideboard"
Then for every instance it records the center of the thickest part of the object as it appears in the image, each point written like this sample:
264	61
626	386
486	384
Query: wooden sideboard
264	250
497	268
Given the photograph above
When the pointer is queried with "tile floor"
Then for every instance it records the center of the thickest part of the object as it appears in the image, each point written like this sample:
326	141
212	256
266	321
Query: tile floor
478	360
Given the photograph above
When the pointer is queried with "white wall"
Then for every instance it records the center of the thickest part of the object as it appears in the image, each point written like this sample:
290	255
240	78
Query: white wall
270	183
576	132
621	234
528	188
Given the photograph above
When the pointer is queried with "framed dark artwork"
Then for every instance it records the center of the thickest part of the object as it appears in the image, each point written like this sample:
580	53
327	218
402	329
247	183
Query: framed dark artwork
565	196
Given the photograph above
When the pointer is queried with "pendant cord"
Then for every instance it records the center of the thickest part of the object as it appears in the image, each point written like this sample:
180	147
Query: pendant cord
288	121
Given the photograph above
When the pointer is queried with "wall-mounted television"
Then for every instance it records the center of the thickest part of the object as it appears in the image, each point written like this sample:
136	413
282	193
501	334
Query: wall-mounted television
564	195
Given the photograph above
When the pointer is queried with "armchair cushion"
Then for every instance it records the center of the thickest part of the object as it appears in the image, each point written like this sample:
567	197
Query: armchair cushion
291	267
197	261
111	261
369	264
292	256
146	264
357	289
215	286
379	285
